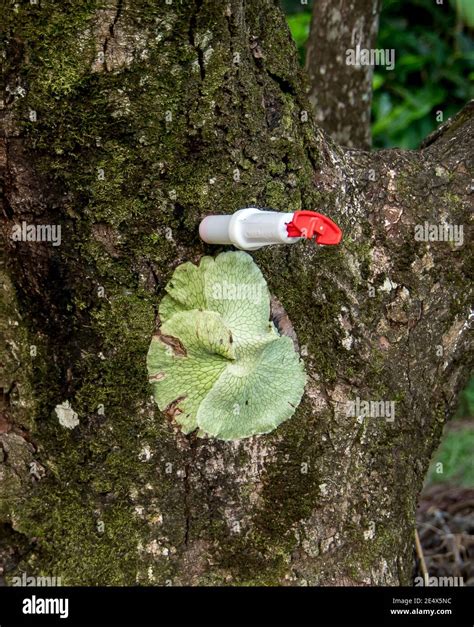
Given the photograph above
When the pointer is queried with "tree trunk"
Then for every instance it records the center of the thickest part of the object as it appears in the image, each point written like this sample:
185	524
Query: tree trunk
125	126
341	92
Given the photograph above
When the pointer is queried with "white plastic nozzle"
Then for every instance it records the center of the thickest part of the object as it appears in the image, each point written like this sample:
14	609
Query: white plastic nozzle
247	229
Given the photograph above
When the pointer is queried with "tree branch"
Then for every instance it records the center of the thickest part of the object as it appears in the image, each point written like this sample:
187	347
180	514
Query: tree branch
341	93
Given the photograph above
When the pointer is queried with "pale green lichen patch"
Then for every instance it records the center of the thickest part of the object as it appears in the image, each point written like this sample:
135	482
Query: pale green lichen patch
218	364
66	415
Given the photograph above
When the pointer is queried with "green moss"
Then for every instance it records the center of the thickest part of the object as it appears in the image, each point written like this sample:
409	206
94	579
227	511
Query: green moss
79	538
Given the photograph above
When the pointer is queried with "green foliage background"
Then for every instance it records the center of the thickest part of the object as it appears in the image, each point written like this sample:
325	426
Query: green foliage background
434	71
434	65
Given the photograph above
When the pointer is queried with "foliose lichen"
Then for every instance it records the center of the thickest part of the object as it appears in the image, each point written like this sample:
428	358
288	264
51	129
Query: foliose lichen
218	363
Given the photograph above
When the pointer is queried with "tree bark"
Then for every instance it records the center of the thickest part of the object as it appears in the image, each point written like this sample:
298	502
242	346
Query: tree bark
126	126
341	93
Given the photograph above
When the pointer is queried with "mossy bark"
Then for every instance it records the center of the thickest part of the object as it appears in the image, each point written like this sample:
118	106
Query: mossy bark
126	126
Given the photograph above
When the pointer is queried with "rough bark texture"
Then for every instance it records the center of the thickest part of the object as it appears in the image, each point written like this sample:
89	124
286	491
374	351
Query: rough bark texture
341	94
149	116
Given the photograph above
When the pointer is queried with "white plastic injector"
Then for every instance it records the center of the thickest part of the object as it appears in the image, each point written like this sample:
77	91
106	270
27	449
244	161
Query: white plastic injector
247	229
251	228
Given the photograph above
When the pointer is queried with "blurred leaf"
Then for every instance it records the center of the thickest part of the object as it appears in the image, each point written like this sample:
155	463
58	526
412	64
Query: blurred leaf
377	81
465	11
466	401
413	61
455	455
299	24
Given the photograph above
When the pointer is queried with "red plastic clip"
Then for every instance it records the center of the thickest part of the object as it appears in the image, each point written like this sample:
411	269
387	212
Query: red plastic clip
311	225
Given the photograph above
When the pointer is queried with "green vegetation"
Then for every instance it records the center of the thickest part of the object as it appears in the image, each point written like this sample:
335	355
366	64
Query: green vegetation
466	401
433	72
434	66
456	451
456	456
